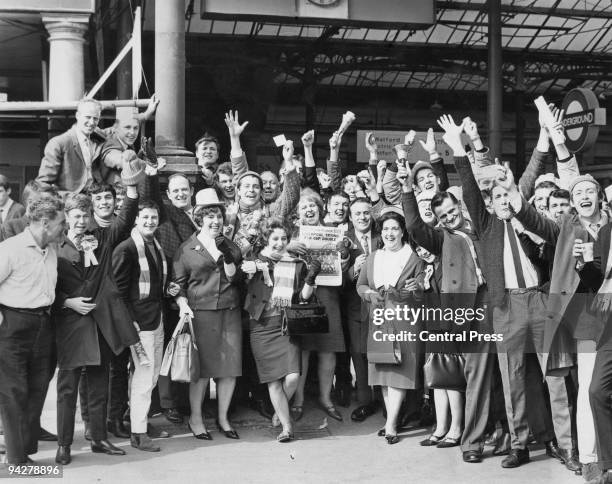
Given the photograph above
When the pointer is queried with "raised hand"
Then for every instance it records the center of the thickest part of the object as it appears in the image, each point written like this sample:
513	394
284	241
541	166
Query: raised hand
334	141
308	138
381	168
470	128
370	143
151	108
288	151
505	178
452	134
429	144
233	124
409	138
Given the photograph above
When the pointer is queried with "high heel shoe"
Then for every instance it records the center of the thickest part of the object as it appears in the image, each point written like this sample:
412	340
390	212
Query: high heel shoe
285	436
202	436
230	434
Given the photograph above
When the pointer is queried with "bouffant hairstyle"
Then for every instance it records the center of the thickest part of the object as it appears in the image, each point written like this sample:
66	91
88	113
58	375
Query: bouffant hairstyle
271	225
309	195
202	211
399	219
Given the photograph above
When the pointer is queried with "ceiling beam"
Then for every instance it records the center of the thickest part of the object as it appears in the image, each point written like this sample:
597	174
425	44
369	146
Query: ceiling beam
516	9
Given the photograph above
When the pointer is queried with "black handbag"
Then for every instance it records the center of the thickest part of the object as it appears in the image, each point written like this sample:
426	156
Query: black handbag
304	318
445	371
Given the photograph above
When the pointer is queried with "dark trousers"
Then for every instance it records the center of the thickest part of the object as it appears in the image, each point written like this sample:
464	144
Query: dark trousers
26	366
478	372
97	396
117	391
600	396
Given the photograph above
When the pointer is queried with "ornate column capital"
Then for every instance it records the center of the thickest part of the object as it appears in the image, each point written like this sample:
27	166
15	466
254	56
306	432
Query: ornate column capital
66	26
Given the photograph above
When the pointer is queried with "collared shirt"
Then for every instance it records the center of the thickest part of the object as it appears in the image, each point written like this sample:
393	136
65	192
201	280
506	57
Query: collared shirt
5	210
593	228
28	274
529	272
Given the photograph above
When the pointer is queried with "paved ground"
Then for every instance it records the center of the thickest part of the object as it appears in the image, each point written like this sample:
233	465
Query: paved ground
325	451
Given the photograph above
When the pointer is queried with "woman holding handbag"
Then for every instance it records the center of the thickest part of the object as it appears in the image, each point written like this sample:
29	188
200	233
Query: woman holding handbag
392	277
206	267
310	211
278	280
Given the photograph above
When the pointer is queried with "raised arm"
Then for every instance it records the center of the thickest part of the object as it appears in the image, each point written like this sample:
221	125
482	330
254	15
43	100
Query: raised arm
424	235
477	209
237	156
333	164
310	168
437	163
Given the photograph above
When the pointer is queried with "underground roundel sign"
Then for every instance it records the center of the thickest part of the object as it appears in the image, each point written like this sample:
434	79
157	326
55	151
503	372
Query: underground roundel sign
582	119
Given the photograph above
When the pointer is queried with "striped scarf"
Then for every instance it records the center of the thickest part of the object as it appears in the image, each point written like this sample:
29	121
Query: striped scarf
284	281
144	280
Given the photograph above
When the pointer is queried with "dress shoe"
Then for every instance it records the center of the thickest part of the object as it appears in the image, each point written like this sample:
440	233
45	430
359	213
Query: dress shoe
492	438
117	428
143	442
570	459
264	408
552	450
503	445
46	436
203	436
156	433
297	412
343	395
392	439
105	447
515	458
87	433
472	456
332	412
63	455
230	434
284	436
431	441
172	415
363	412
449	442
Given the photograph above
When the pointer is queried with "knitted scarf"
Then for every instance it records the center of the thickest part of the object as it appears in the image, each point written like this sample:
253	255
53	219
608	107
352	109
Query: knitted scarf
144	280
284	281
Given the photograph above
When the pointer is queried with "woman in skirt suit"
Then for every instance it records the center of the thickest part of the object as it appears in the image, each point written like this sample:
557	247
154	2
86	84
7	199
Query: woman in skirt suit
277	281
206	269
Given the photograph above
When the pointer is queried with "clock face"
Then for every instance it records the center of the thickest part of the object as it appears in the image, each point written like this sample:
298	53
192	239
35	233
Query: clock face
325	3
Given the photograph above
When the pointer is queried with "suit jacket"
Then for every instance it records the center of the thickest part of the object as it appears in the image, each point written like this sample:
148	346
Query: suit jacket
353	308
77	335
203	280
490	231
13	227
593	274
565	284
126	273
16	210
63	164
259	293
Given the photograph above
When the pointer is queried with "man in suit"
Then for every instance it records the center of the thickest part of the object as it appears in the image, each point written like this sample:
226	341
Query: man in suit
518	308
597	275
573	326
140	271
71	160
9	209
365	240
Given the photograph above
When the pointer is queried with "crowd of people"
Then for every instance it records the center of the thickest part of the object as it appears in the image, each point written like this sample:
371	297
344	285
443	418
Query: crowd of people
98	267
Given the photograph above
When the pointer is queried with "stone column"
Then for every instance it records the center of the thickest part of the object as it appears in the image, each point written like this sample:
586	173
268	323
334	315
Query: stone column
66	55
170	86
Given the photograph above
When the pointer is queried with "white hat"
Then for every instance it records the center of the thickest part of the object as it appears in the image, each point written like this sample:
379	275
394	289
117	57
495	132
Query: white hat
207	198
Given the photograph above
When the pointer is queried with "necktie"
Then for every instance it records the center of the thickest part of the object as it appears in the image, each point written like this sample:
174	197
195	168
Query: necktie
516	256
366	246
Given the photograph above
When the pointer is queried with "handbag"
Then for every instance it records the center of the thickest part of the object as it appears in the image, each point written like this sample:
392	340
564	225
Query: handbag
445	371
387	351
181	360
304	318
